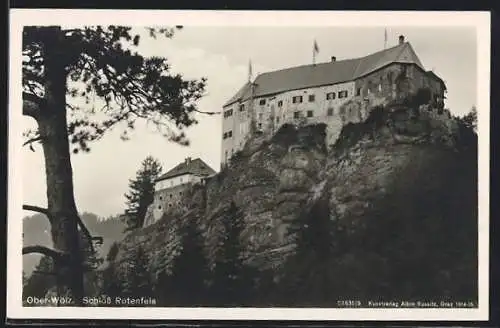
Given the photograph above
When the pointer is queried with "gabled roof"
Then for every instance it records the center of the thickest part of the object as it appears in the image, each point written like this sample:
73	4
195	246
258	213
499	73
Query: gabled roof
240	94
189	166
434	76
307	76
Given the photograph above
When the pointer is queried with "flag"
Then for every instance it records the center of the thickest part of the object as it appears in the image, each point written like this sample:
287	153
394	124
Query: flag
250	70
316	48
385	38
315	51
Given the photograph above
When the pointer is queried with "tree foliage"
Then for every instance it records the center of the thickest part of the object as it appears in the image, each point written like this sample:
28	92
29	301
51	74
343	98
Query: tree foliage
92	262
112	284
78	84
102	64
470	119
231	279
306	276
41	280
467	130
141	193
137	281
185	285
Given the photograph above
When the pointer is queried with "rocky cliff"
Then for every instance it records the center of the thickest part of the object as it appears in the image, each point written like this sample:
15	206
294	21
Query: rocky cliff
401	187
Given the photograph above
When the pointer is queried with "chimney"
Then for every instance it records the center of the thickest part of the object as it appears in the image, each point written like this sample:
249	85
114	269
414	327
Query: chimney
334	59
401	39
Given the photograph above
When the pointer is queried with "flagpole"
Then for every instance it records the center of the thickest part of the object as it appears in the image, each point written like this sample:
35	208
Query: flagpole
250	71
315	50
385	38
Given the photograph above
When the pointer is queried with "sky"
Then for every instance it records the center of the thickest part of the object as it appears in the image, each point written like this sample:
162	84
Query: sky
222	54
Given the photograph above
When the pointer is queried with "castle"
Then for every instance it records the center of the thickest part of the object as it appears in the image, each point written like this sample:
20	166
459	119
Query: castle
335	93
170	187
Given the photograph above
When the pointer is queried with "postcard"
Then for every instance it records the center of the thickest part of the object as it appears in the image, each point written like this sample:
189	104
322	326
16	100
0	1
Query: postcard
230	165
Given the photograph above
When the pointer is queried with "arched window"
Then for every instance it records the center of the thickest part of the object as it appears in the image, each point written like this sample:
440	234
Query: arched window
369	86
389	77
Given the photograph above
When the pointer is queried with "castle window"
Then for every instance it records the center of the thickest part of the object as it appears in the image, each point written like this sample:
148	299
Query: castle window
358	92
169	205
230	134
242	107
296	114
159	207
262	102
343	94
180	193
161	198
311	98
390	77
309	113
170	195
330	96
329	112
260	125
409	72
280	103
297	99
228	113
224	136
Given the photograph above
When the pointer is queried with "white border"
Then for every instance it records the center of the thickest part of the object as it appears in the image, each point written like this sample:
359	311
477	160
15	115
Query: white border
20	17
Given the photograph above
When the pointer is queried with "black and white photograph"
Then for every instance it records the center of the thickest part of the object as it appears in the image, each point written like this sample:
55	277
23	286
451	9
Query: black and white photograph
248	165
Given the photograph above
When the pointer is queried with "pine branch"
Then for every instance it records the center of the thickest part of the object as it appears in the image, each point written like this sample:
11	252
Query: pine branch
56	255
87	234
207	113
38	209
80	223
31	141
33	105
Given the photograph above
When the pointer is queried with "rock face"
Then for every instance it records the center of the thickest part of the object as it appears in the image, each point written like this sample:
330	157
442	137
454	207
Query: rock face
396	183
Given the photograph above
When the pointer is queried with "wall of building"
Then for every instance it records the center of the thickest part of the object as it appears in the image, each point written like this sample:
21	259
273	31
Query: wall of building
279	109
175	181
393	82
168	199
396	81
238	123
171	199
423	80
385	82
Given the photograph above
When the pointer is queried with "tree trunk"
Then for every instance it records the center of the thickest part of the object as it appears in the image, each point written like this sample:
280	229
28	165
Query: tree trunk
52	125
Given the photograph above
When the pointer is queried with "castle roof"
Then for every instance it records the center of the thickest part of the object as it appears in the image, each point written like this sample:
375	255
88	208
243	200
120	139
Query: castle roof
434	76
307	76
189	166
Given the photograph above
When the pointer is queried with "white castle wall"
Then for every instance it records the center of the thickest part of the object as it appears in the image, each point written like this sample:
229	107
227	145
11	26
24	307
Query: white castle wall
176	181
280	109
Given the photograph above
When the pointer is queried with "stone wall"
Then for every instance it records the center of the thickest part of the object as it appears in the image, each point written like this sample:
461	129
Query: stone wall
166	201
279	109
397	81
